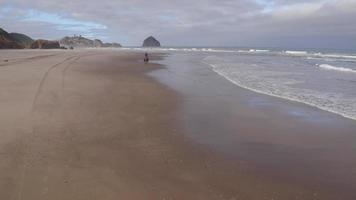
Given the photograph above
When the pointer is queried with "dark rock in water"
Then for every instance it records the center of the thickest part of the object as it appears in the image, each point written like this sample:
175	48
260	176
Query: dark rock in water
151	42
45	44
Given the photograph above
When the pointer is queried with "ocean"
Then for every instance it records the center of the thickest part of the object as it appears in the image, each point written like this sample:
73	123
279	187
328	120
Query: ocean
325	79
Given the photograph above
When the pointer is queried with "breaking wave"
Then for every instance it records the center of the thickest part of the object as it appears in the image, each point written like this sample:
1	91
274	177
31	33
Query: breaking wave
287	84
341	69
296	52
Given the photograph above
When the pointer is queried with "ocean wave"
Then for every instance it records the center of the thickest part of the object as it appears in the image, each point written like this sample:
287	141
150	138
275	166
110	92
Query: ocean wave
336	56
296	52
304	54
259	50
331	59
321	56
341	69
197	50
218	50
264	82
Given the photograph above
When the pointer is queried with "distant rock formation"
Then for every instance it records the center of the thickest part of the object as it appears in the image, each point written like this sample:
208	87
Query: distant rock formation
151	42
82	42
45	44
22	39
115	45
111	45
98	43
8	42
77	42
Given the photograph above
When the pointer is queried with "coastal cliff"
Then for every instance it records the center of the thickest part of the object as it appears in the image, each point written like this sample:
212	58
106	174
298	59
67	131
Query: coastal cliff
45	44
13	40
82	42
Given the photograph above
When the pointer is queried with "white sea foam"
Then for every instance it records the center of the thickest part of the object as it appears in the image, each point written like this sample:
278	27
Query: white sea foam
341	69
217	50
301	54
274	73
281	84
243	51
296	52
321	56
331	57
259	50
336	56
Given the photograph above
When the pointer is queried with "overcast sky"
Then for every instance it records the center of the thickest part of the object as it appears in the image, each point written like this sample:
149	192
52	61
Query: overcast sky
259	23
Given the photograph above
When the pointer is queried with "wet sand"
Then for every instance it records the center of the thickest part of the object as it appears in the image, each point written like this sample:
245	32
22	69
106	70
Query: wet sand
99	124
276	139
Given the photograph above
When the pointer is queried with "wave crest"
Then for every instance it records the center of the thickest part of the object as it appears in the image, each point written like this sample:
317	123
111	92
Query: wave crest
341	69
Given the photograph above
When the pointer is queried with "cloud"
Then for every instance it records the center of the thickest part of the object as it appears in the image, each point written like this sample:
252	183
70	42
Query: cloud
61	23
299	23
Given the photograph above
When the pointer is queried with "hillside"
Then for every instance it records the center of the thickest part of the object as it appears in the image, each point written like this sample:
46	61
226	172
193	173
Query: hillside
22	39
77	42
82	42
45	44
7	42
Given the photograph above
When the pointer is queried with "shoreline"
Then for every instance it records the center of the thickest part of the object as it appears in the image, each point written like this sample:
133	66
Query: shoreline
342	113
282	97
102	127
214	109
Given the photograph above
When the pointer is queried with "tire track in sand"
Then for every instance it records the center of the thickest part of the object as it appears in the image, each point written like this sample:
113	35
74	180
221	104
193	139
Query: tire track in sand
9	62
70	61
37	94
43	80
65	64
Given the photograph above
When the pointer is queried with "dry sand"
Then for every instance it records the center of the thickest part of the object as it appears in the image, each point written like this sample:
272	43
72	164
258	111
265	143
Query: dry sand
92	124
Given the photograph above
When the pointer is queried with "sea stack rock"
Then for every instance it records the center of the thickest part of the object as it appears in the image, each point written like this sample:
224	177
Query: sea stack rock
151	42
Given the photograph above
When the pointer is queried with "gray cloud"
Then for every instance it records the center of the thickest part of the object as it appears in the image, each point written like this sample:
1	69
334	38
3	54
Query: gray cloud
297	23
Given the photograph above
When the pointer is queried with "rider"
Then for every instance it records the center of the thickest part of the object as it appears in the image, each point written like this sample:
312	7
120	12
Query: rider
146	58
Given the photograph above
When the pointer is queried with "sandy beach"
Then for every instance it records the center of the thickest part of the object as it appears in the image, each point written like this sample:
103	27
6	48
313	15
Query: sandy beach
101	124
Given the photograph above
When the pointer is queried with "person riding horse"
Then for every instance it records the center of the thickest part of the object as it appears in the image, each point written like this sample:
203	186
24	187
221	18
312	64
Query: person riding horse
146	60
